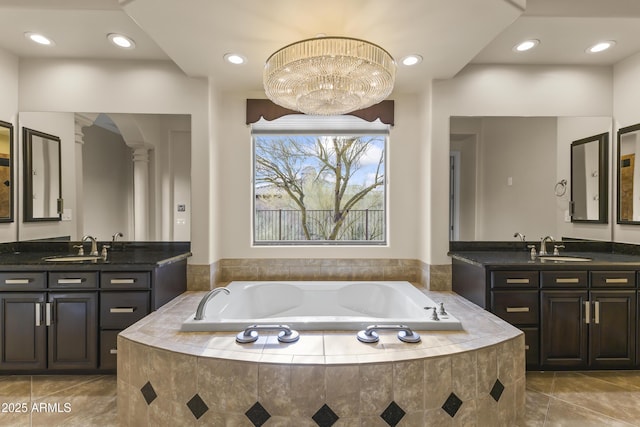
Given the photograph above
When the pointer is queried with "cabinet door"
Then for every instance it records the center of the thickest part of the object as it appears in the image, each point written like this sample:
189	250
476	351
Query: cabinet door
73	330
564	328
612	330
23	332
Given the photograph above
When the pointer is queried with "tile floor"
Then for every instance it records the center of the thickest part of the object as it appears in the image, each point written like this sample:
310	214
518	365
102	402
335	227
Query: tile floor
584	399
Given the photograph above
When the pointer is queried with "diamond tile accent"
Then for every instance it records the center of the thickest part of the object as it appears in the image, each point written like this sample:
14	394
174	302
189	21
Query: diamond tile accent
393	414
257	414
197	406
497	390
325	417
452	404
148	393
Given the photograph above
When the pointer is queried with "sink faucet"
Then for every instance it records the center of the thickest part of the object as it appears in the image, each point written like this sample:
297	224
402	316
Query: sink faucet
114	238
94	244
543	244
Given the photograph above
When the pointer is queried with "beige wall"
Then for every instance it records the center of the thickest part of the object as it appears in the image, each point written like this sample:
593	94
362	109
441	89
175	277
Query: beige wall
9	113
234	172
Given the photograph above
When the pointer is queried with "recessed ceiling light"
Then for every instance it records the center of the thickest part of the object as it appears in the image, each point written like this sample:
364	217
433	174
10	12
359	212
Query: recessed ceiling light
601	46
121	40
410	60
235	58
526	45
39	38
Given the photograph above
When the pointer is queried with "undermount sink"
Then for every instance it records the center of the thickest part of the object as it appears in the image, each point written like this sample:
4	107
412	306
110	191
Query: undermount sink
73	258
564	258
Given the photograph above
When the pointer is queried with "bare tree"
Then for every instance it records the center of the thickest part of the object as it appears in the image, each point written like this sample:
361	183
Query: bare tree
297	164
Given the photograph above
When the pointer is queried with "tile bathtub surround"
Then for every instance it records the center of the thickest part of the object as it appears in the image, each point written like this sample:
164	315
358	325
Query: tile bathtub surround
205	277
548	404
326	378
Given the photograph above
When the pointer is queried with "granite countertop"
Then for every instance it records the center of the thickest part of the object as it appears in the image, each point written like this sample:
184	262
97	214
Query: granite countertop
524	259
141	257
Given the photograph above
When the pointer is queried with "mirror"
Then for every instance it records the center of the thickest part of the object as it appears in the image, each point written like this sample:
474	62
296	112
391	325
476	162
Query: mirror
628	175
42	176
504	170
589	173
126	173
6	172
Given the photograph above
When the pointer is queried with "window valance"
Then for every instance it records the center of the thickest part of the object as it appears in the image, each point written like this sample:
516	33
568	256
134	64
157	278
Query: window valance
257	108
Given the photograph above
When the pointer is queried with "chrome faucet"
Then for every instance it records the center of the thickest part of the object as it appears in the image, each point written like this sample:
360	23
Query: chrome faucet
520	236
203	302
94	244
543	244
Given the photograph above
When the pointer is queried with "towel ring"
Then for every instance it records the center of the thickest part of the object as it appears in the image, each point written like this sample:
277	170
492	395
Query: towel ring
561	188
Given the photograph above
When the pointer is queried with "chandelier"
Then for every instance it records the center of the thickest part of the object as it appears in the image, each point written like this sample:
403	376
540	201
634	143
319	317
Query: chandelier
329	75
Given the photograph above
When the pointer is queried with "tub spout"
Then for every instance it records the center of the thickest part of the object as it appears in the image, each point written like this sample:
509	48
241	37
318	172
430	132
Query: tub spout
205	299
405	334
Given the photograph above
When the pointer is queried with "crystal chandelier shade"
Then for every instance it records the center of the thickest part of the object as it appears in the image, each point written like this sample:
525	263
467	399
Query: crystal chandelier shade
329	75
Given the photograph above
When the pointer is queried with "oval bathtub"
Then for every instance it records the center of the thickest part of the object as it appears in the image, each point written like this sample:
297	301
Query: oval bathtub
337	305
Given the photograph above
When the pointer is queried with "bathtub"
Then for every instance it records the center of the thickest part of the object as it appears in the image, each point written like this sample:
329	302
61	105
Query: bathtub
315	306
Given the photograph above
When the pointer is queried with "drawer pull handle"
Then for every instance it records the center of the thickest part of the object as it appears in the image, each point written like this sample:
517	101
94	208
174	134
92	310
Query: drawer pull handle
517	309
526	347
567	280
17	281
122	309
587	312
38	314
70	281
517	281
113	351
123	281
47	314
616	280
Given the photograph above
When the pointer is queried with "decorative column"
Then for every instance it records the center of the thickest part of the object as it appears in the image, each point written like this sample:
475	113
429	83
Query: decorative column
141	193
80	122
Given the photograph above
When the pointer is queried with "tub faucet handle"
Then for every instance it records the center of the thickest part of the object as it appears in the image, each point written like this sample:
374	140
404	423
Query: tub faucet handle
442	311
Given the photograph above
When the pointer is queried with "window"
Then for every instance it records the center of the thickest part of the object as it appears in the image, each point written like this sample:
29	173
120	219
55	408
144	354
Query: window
319	180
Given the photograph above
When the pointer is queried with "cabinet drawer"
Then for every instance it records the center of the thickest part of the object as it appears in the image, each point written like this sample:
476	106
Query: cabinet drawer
73	279
516	307
564	279
531	347
22	280
514	279
108	349
125	280
119	310
613	279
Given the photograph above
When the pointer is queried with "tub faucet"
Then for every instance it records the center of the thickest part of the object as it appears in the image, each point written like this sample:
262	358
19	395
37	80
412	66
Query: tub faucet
543	244
94	244
203	302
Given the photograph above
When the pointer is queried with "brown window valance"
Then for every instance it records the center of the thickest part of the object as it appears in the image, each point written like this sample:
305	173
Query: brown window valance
257	108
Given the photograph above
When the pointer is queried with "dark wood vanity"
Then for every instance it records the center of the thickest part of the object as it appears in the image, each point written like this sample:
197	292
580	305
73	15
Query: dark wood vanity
575	315
65	317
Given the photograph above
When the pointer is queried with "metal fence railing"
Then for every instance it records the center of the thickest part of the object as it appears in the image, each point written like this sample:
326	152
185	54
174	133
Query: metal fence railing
286	224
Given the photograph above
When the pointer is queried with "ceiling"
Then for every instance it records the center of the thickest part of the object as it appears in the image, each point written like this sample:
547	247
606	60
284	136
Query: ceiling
449	34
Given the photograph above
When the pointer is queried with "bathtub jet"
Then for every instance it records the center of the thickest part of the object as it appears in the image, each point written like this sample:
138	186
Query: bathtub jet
316	306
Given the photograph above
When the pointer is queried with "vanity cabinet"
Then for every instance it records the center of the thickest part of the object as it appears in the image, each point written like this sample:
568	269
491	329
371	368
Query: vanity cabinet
124	299
514	298
582	329
52	329
59	320
573	317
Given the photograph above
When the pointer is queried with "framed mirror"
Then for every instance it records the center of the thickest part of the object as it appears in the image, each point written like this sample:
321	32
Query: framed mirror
6	172
42	176
628	174
589	179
